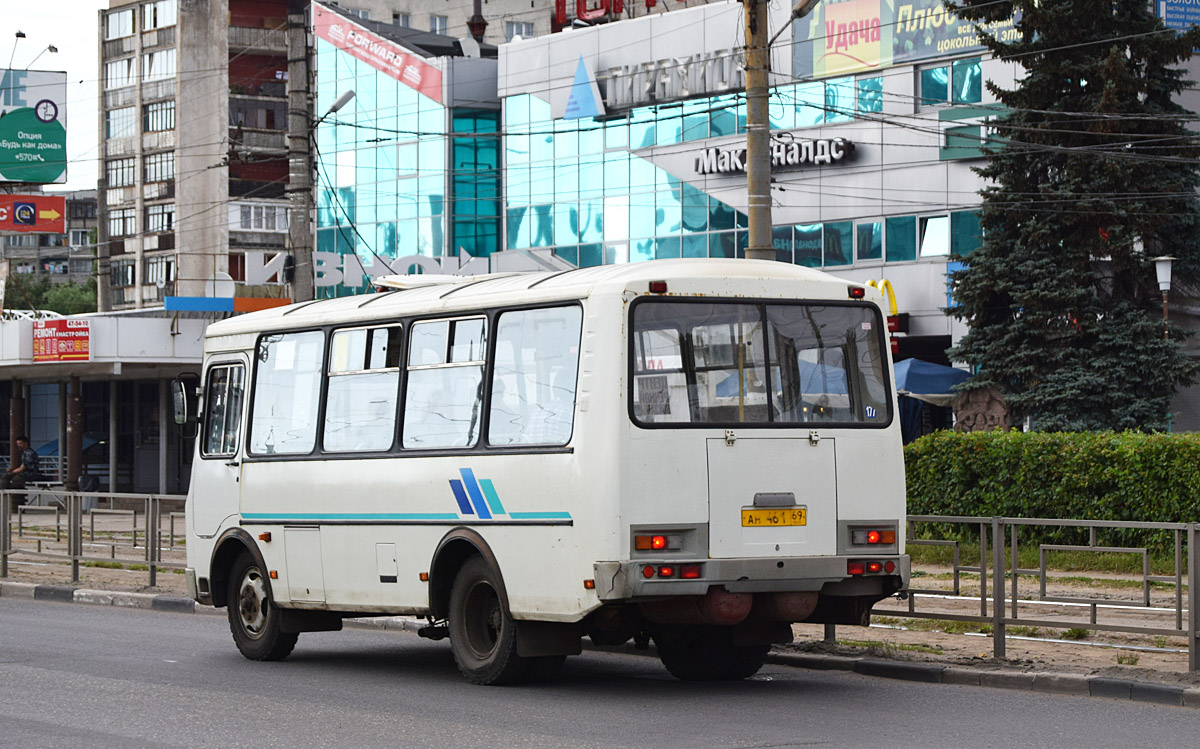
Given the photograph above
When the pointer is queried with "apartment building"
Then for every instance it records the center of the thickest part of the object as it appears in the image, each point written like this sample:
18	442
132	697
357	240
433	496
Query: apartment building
193	134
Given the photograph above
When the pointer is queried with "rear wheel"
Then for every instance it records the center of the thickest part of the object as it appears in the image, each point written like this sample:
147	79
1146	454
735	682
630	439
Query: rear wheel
253	618
707	653
482	634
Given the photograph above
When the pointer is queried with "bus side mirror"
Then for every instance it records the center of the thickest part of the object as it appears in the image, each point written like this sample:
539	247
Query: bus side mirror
183	402
179	400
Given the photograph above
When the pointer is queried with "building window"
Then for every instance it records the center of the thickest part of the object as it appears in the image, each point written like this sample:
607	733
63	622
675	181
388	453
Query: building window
158	14
118	73
121	172
514	29
79	238
438	24
260	115
158	116
120	123
362	13
159	269
935	236
870	95
118	24
159	167
121	274
403	20
159	65
160	218
263	218
960	82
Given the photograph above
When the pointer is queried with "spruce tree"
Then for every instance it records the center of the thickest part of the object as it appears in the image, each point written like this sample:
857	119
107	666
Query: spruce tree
1092	173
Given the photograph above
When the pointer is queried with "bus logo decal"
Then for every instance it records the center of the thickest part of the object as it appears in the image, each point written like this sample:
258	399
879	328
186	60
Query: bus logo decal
476	497
479	497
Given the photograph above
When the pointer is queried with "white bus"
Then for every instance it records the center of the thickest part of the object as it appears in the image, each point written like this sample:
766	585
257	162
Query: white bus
694	452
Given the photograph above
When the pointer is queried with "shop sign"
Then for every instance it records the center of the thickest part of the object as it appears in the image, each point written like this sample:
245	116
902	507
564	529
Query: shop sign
33	138
43	214
381	54
705	73
858	35
784	154
62	340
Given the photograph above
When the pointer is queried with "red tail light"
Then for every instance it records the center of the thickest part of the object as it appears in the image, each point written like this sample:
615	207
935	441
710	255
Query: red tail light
648	572
874	567
690	572
666	571
855	568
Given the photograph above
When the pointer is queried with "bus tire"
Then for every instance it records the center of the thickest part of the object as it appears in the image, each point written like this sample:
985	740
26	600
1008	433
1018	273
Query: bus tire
707	653
483	636
253	618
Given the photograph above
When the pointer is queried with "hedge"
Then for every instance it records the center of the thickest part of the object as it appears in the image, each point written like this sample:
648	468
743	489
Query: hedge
1081	475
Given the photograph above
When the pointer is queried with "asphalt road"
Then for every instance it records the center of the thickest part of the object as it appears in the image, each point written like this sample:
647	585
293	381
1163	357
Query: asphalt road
94	676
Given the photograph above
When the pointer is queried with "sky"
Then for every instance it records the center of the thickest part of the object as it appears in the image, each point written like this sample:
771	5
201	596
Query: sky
71	26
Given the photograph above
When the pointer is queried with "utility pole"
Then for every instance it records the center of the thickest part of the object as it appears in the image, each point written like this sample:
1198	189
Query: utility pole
299	188
758	125
758	135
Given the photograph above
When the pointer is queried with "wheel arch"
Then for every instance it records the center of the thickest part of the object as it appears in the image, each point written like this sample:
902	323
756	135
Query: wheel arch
455	548
232	543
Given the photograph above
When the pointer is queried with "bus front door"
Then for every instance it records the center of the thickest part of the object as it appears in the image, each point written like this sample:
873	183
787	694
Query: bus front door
215	491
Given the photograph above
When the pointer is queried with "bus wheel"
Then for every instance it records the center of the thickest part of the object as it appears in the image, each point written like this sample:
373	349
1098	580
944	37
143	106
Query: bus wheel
253	618
482	634
707	653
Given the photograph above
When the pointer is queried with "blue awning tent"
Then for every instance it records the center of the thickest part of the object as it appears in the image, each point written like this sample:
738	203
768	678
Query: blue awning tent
919	382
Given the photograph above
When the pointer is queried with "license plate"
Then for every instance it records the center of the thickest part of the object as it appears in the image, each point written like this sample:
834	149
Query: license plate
776	518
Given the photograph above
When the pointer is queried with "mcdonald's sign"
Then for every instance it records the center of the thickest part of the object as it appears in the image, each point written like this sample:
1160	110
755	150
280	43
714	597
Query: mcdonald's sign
897	322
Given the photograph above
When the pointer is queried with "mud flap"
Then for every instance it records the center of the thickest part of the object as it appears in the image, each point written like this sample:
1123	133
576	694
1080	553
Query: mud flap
536	639
299	620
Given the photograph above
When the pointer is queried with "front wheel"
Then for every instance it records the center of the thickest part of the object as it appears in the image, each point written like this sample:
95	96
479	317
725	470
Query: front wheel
253	618
482	634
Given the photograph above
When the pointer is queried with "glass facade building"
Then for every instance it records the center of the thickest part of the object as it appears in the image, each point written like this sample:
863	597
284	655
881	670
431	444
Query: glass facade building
580	187
399	173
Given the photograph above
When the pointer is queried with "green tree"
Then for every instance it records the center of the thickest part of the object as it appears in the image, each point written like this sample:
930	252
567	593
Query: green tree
29	291
1092	174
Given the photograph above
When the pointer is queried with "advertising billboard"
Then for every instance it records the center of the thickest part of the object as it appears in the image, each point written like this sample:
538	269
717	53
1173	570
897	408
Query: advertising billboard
859	35
40	214
62	340
33	132
382	54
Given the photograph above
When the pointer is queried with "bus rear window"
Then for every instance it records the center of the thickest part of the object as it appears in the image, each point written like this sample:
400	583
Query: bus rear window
747	363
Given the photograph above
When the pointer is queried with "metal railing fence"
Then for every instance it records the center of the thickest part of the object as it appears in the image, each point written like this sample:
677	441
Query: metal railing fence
20	537
1004	606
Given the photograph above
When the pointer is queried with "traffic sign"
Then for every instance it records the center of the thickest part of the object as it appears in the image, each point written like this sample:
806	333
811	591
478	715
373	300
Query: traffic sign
40	214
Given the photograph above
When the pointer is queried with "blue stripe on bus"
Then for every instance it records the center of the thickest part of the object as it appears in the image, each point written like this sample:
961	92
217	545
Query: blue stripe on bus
540	515
493	499
464	505
481	508
350	516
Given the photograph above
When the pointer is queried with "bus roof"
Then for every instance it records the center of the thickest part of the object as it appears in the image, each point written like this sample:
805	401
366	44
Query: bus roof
736	277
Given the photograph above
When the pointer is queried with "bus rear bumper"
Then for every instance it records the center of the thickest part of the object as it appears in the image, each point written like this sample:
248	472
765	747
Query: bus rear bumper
629	581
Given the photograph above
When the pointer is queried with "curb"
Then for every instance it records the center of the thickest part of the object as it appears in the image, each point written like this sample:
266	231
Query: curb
1028	681
930	673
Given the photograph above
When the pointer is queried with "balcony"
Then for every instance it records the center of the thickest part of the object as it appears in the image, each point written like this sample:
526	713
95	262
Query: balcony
258	140
120	97
243	38
158	37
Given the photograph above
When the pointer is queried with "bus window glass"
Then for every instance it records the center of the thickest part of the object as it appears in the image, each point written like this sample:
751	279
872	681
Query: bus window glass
429	343
364	384
827	364
223	409
708	363
287	386
444	387
533	381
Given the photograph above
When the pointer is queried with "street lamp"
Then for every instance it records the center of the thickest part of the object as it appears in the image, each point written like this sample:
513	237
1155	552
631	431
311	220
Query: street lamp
49	48
18	37
758	126
300	170
1162	269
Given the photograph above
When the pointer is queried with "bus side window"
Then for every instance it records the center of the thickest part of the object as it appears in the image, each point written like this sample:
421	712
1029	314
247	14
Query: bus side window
444	389
364	385
533	381
223	409
287	390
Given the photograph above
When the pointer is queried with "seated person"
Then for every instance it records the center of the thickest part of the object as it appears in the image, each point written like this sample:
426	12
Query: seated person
24	471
